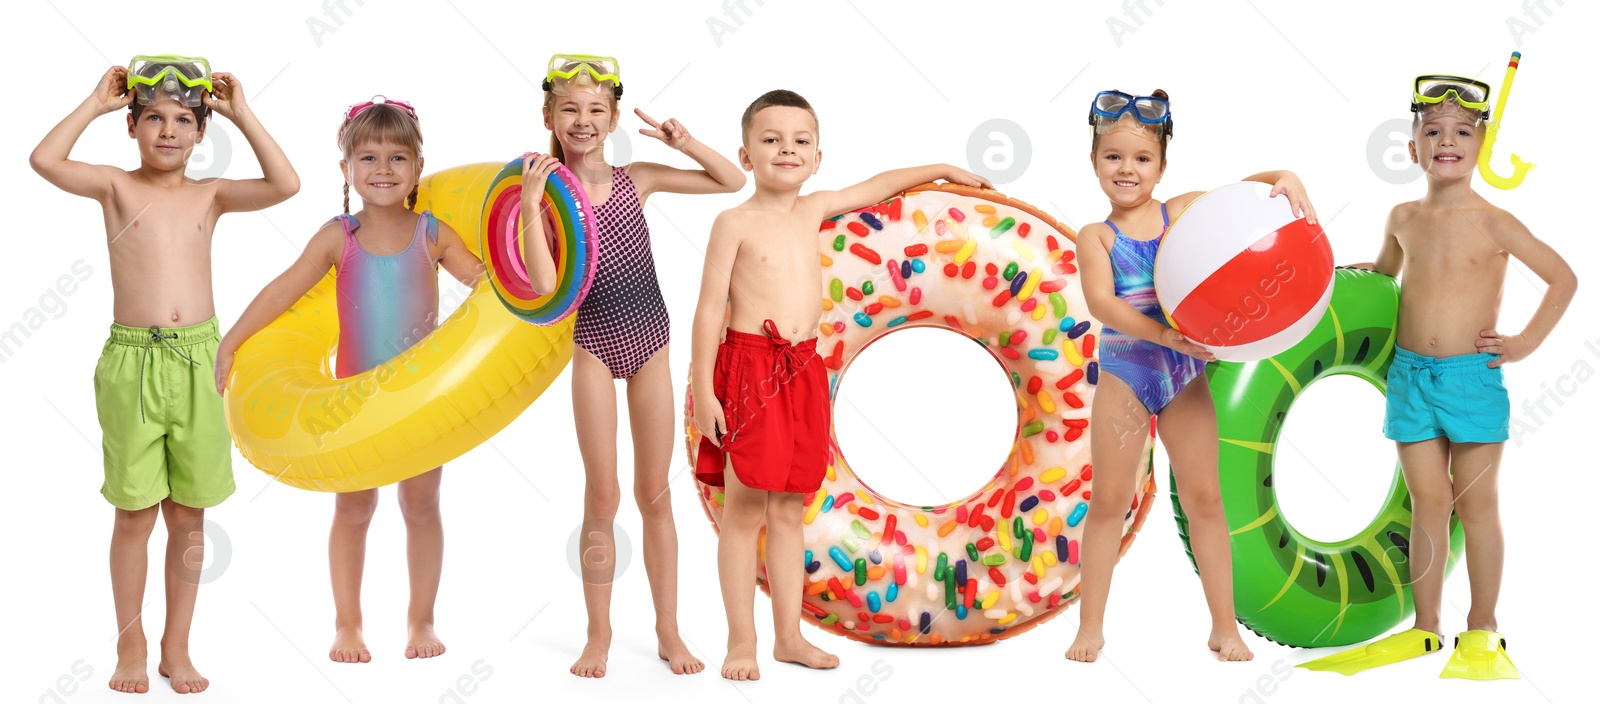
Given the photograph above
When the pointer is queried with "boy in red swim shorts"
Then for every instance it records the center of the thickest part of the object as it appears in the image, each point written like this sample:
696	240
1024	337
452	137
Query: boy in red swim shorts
774	396
764	415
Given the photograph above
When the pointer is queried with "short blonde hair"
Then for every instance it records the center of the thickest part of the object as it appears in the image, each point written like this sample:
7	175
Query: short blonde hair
380	123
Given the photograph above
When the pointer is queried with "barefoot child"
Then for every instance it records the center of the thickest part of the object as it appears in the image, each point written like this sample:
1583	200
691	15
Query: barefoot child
386	260
166	446
1447	408
621	333
1148	369
770	432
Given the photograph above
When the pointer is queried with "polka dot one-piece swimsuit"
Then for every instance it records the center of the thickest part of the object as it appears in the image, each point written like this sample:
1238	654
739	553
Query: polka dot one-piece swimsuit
623	320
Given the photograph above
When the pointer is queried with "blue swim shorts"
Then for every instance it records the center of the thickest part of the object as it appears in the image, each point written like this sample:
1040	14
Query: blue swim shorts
1460	397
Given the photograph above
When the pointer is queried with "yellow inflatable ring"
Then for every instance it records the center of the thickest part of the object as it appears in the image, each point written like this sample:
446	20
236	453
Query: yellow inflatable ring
464	382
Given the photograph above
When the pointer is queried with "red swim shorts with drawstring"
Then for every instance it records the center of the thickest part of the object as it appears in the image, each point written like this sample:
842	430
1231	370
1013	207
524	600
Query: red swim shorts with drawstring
775	399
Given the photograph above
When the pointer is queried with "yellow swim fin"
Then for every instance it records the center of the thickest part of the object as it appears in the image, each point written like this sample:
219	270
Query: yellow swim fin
1384	651
1480	655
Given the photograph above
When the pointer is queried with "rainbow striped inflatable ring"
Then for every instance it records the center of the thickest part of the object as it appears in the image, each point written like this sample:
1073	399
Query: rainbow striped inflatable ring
569	221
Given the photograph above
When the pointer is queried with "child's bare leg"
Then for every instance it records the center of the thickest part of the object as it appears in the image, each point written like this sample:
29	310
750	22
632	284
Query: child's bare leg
347	557
786	578
651	413
1117	436
419	506
1188	429
1426	466
130	540
594	411
186	544
1476	470
744	511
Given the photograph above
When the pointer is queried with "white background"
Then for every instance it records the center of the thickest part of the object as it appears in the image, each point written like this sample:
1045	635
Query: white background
1255	85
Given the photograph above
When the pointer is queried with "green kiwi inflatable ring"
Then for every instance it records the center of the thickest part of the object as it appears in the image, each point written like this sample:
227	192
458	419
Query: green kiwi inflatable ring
1287	587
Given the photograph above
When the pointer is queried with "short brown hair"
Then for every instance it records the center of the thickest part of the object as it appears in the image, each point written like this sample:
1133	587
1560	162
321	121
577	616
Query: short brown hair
775	99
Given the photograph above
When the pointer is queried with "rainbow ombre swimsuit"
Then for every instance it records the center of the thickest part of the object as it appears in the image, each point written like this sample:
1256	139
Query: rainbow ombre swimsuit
387	303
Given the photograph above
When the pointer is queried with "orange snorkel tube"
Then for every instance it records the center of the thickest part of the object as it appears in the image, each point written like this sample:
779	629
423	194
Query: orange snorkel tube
1519	168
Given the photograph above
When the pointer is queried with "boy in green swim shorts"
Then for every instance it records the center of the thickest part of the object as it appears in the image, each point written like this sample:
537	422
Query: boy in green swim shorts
1447	407
166	446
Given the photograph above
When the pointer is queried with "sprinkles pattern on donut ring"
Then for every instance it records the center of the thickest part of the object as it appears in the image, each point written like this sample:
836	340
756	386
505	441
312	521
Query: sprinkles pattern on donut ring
1005	558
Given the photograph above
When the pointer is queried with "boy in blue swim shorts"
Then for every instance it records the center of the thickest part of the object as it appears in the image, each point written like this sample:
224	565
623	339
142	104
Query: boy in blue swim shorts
1447	407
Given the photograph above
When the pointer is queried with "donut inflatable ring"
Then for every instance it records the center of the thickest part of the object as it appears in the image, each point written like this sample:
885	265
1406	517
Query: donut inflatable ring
1287	587
571	227
469	378
1005	558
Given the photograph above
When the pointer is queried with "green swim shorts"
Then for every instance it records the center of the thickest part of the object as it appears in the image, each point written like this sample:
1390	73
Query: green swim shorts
163	434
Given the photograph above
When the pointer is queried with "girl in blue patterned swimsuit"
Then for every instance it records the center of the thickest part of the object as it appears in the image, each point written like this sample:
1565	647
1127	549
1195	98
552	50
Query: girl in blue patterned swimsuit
1148	369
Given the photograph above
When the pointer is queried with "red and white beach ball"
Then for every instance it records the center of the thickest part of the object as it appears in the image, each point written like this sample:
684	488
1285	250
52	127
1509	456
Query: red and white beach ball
1239	274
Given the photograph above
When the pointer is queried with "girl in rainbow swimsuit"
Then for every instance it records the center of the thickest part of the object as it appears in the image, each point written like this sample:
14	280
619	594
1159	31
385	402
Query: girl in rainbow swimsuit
386	260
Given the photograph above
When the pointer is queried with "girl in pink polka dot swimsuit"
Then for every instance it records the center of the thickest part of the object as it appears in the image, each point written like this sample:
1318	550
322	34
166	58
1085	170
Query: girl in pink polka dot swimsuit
620	333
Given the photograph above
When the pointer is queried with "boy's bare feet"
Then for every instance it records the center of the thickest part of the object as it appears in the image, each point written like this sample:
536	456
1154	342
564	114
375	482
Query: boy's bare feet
423	642
741	664
131	675
1229	645
798	650
348	646
671	648
592	663
1086	647
176	666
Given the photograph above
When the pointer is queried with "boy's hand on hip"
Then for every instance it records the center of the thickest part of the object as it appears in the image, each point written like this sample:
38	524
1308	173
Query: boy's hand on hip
1512	348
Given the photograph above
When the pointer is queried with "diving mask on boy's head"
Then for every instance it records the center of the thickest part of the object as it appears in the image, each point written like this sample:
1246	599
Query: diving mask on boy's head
185	79
1150	113
583	71
1435	95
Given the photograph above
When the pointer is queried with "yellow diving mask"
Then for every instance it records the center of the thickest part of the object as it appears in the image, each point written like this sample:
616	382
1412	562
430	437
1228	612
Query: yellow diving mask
582	70
185	79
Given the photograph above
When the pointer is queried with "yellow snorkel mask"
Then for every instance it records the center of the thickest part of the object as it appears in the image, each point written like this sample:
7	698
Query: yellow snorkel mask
1470	93
1431	92
582	70
185	79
